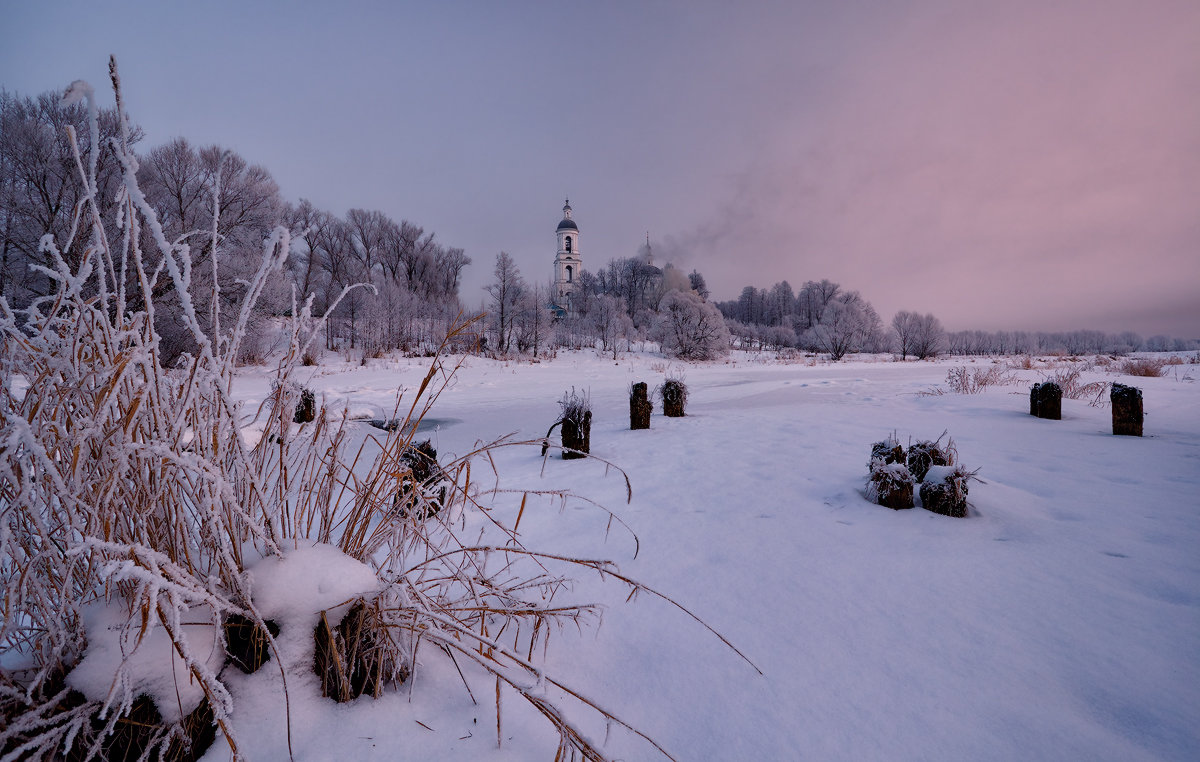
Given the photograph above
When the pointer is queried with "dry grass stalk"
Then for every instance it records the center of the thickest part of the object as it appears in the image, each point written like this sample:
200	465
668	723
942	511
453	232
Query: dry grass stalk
1070	380
962	380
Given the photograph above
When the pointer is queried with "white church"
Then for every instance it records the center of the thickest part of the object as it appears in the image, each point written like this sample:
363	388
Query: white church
567	263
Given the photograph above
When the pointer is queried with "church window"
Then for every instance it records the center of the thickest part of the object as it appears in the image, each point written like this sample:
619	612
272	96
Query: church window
570	279
568	243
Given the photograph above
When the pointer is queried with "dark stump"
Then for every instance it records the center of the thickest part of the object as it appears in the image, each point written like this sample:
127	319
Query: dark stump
246	643
1045	401
421	491
894	495
1126	410
306	408
348	658
945	498
639	407
577	436
922	455
134	734
199	731
674	395
888	451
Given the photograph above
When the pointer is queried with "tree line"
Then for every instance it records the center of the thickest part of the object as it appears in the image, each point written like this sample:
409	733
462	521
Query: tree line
222	207
824	317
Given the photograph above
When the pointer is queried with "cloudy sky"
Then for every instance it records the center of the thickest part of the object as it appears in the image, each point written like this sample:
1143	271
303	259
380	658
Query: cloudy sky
1017	164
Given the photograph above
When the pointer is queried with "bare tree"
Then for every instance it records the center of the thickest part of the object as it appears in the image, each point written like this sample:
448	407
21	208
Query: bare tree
780	304
534	321
904	324
506	291
372	231
812	300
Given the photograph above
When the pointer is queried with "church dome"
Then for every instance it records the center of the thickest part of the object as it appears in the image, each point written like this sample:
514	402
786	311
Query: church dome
568	223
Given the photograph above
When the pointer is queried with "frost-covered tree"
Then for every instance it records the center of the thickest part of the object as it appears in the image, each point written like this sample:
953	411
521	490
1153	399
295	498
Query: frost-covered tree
780	304
505	291
812	300
533	328
927	336
221	207
848	323
38	189
690	328
839	330
610	322
698	284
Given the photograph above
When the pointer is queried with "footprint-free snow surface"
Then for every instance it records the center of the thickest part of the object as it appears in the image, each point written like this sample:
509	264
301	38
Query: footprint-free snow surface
1059	620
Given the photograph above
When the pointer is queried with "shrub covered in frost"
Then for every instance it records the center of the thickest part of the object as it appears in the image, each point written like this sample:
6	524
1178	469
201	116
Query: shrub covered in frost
690	328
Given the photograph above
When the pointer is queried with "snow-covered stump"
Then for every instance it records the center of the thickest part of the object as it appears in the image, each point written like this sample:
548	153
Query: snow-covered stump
1126	410
577	436
640	406
246	643
576	423
924	455
674	397
889	480
944	490
306	408
422	491
1045	401
889	451
891	484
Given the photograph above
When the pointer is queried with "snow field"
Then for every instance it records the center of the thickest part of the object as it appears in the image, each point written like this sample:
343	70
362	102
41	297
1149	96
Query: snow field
1060	620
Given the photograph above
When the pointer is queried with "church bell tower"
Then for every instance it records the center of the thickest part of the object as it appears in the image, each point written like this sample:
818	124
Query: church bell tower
567	263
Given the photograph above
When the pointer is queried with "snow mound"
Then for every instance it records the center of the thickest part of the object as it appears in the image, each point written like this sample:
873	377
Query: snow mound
939	474
153	667
296	587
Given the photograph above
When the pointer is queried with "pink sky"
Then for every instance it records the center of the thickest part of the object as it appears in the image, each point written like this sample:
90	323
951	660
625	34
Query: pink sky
1005	165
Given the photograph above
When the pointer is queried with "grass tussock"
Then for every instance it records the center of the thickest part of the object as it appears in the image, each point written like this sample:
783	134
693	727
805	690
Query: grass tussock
964	380
1070	380
127	483
1148	367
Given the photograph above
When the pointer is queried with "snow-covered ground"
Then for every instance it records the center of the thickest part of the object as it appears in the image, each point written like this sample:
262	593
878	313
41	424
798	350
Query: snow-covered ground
1060	620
